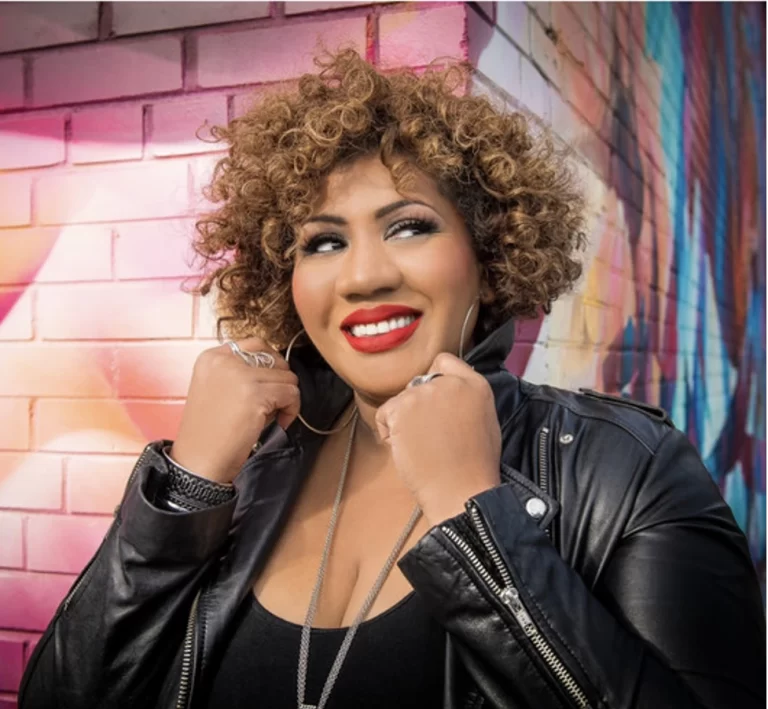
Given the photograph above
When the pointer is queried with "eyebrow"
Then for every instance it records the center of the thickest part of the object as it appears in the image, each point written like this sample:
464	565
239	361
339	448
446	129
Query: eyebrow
378	214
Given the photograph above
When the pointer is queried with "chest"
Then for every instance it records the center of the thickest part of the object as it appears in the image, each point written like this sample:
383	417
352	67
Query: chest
374	510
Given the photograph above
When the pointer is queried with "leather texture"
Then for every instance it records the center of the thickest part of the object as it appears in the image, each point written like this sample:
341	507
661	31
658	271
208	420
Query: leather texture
635	577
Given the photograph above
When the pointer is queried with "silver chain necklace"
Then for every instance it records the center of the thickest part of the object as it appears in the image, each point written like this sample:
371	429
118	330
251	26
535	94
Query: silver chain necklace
367	603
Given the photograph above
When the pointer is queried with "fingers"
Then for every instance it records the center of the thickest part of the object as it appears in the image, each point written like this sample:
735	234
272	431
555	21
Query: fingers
448	364
382	421
281	401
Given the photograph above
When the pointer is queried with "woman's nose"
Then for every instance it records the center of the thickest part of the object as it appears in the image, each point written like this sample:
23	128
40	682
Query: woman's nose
367	268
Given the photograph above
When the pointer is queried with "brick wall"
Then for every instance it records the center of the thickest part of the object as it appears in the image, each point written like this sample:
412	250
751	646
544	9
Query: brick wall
100	178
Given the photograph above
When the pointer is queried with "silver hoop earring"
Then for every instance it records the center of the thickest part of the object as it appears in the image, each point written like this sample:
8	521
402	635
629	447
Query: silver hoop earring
464	327
299	416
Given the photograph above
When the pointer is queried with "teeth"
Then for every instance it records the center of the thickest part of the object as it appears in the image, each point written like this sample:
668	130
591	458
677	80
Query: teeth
382	327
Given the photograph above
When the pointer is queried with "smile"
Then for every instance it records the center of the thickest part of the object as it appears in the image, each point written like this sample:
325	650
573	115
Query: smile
380	329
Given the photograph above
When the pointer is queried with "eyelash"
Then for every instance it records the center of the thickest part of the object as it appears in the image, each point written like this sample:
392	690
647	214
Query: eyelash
424	226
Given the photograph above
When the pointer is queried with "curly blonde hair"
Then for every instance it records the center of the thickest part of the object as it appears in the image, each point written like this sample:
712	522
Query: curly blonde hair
513	189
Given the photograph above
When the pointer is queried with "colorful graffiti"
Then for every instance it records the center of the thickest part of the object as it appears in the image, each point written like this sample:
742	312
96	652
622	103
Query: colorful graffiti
678	264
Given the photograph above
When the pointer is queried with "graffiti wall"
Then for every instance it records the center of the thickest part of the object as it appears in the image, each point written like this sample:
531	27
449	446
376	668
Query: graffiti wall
665	106
101	172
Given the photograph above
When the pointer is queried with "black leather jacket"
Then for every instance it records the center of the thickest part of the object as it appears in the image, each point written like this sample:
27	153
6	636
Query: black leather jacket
605	571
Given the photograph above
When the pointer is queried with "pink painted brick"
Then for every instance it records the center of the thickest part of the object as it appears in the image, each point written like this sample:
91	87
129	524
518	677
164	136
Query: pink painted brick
272	53
298	7
11	552
11	663
15	200
205	324
202	173
147	191
30	645
493	55
241	103
31	142
107	134
158	249
587	13
544	53
11	83
16	314
103	426
24	26
8	703
535	92
81	369
14	432
177	124
30	481
95	484
29	600
63	543
135	17
54	255
158	309
156	370
115	69
416	37
512	18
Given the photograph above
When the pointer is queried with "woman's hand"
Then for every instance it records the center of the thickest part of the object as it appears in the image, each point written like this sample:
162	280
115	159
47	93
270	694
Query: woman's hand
445	437
228	405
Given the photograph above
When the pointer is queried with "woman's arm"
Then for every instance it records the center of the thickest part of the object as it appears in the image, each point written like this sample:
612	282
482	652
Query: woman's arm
116	634
676	620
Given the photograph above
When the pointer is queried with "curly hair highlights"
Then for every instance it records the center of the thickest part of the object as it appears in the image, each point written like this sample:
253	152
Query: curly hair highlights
513	190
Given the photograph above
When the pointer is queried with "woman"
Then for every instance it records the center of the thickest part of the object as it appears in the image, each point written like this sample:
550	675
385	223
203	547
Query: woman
415	527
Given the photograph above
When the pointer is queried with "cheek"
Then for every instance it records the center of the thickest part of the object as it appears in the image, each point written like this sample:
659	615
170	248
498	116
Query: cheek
449	267
311	289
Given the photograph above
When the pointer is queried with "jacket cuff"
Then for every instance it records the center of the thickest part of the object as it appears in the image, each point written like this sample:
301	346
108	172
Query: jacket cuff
162	534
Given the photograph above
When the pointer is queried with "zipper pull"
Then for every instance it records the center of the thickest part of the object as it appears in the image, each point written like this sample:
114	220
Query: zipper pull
510	597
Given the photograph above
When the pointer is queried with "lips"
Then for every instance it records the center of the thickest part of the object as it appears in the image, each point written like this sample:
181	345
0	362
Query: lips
381	342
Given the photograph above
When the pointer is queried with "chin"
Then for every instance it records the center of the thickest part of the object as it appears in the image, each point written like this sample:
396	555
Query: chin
379	379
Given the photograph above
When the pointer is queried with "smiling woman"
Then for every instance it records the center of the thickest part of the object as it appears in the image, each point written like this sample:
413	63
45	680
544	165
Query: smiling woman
362	507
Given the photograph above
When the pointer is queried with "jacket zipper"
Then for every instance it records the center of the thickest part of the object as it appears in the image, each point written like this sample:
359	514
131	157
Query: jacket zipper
510	597
186	679
543	469
543	478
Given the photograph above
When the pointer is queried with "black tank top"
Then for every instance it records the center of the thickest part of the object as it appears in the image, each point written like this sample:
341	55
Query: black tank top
396	660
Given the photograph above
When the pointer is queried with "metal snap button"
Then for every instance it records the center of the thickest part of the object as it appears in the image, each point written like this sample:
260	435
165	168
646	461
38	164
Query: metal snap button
536	507
566	438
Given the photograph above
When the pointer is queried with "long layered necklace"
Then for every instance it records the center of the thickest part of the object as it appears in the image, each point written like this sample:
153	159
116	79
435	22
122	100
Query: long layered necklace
367	603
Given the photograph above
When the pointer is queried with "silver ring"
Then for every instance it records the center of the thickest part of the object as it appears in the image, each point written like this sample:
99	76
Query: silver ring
252	359
423	379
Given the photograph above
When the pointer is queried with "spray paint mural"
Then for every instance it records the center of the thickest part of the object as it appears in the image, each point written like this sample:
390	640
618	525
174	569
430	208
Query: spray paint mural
672	311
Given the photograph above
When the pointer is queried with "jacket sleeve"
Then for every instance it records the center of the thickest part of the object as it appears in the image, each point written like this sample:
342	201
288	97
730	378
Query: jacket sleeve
675	621
125	616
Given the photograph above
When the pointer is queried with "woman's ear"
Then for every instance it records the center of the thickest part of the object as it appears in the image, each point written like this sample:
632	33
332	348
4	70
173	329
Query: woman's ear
487	296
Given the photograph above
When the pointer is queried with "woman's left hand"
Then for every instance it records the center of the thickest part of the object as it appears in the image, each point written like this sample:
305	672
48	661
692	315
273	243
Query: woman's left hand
445	437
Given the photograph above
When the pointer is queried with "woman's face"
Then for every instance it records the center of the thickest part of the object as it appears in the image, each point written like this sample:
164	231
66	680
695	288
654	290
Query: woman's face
373	260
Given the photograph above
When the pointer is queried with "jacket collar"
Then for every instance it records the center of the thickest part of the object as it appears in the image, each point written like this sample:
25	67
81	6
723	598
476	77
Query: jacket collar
324	395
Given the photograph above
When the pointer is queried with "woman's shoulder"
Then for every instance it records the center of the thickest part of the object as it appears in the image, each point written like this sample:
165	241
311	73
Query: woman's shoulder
612	419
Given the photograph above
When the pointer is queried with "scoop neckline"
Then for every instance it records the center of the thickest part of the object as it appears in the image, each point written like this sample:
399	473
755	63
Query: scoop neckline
265	612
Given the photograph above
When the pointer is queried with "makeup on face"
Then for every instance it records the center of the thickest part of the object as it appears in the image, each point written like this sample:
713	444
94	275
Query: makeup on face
382	280
381	328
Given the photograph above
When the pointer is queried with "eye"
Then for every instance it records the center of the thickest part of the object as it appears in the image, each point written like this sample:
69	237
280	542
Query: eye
322	244
407	228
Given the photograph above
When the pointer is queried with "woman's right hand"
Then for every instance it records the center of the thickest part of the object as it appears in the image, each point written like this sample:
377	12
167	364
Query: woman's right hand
228	406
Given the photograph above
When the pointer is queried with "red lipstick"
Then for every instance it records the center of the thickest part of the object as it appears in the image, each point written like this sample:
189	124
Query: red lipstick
386	341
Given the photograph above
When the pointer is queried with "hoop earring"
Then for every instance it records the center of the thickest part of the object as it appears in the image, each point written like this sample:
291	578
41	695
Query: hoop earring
464	327
300	417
